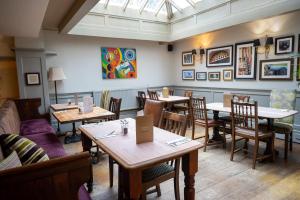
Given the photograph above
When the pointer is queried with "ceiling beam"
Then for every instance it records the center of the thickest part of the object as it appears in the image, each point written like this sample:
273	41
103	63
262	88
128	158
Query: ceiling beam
106	4
77	11
125	5
160	7
169	9
175	6
191	3
143	6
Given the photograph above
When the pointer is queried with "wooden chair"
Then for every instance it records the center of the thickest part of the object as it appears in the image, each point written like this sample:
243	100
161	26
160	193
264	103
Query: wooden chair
183	107
245	125
199	117
152	107
141	99
153	95
175	123
171	92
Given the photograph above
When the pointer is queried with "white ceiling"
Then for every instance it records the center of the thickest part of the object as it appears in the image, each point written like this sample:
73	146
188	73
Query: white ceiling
22	18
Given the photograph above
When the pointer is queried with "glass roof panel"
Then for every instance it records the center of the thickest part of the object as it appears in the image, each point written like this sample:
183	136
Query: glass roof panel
116	2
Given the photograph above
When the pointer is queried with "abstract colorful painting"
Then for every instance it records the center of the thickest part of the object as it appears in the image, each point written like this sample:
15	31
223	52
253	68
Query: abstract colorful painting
118	63
219	56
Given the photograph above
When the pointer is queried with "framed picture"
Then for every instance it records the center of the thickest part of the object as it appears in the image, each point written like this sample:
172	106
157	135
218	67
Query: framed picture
188	58
284	45
245	61
32	78
201	76
227	74
214	76
188	74
298	69
219	56
276	69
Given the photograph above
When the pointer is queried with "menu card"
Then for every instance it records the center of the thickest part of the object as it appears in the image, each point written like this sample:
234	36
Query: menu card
144	129
87	104
227	100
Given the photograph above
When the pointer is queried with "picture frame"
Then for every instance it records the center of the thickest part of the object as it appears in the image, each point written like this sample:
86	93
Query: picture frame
227	74
188	58
276	69
298	70
32	78
284	45
201	76
188	74
219	56
245	61
214	76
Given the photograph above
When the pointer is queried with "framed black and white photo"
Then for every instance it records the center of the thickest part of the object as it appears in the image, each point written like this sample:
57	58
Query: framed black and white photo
276	69
227	74
214	76
201	76
219	56
188	74
188	58
245	61
32	78
284	45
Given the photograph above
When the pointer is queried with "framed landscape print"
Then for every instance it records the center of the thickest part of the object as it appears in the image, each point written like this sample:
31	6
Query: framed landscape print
188	74
227	74
32	78
219	56
201	76
245	61
298	69
188	58
276	69
214	76
284	45
118	63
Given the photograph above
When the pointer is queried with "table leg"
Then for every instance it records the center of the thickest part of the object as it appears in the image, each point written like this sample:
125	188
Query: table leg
135	184
190	168
86	146
74	137
216	132
269	143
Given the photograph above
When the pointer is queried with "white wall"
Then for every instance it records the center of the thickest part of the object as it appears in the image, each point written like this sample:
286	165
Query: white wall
277	26
81	59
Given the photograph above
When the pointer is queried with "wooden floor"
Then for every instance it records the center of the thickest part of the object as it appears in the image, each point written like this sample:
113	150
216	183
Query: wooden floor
219	178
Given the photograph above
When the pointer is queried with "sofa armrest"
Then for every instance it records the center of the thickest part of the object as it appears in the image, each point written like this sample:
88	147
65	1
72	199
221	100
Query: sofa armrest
29	109
58	178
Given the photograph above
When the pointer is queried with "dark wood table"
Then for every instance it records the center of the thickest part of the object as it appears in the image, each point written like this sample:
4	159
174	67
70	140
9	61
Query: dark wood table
134	158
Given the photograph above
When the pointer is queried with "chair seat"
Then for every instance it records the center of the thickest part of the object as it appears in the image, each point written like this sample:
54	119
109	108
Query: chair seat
278	127
157	171
227	119
251	133
210	122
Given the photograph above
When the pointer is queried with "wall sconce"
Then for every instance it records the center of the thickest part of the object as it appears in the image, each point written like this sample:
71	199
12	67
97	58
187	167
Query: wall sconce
269	42
202	52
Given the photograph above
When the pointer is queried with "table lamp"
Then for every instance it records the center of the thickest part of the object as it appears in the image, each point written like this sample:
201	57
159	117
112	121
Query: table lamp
56	74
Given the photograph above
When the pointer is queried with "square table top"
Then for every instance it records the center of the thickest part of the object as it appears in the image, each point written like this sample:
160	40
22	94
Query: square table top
61	106
172	99
125	151
73	115
264	112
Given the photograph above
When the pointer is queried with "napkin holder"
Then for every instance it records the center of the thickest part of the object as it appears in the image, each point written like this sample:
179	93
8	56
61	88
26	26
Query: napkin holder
144	129
165	92
227	100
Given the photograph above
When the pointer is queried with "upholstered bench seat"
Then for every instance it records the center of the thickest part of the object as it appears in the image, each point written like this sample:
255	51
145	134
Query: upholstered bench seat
35	126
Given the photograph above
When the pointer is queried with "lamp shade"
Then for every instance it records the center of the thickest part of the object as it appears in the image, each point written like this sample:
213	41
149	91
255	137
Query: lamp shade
269	41
56	74
256	43
202	52
194	52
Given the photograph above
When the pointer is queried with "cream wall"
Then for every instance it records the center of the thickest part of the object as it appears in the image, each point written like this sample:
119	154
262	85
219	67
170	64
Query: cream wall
277	26
80	58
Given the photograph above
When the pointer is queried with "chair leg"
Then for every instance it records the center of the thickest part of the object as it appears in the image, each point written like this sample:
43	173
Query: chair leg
286	144
224	139
158	190
193	131
176	188
143	196
206	139
255	153
291	141
273	147
246	146
232	147
111	171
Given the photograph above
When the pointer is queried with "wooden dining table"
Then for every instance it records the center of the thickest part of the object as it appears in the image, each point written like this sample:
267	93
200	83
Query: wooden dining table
263	112
171	100
134	158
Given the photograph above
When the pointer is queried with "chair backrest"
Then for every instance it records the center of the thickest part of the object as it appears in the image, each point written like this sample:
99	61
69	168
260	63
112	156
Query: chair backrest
188	93
244	115
153	95
283	99
241	98
115	106
155	109
173	122
198	108
171	92
141	99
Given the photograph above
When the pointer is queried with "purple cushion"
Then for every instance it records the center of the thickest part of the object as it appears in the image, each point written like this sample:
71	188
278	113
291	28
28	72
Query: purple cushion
83	194
50	143
36	126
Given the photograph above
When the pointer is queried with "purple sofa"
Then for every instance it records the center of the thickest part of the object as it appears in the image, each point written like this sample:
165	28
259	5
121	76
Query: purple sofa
22	117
